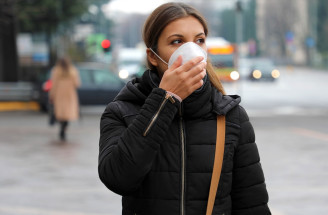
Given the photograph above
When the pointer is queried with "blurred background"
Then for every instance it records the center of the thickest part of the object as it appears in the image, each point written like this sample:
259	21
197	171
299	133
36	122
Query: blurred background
272	53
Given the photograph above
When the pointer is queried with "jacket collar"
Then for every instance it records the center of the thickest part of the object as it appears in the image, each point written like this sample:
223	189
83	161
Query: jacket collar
204	102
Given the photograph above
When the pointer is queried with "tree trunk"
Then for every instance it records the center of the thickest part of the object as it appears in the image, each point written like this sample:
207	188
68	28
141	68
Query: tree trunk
8	47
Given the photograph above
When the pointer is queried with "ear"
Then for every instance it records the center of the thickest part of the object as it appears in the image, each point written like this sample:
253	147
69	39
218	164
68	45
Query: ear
152	58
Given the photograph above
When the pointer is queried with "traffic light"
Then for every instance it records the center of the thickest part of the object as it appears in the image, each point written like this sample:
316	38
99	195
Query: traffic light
105	44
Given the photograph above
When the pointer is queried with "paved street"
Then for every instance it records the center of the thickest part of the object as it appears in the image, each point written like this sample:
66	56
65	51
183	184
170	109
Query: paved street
297	89
41	175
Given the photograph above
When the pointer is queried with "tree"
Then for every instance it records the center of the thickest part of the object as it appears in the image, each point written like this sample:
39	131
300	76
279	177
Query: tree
46	15
34	16
228	25
228	18
8	51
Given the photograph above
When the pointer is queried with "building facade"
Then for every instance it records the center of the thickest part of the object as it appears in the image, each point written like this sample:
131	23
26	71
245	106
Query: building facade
285	29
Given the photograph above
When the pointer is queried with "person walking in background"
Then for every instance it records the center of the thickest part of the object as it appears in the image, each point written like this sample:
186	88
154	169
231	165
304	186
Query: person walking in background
63	94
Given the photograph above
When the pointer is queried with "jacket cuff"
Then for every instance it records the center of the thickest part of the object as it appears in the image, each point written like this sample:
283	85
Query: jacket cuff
175	95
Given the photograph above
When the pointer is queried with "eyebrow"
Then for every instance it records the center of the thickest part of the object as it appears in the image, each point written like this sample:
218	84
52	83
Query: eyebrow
180	35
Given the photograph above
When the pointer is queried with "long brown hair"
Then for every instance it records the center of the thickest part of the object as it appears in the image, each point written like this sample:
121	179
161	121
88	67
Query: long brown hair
64	64
161	17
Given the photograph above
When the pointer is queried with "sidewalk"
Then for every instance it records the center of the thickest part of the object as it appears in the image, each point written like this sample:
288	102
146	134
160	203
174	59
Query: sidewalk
18	96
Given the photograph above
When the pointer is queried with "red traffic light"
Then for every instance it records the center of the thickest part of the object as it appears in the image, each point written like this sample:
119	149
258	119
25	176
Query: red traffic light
105	44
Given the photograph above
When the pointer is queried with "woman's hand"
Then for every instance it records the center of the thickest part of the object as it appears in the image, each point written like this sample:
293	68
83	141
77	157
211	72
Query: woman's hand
184	80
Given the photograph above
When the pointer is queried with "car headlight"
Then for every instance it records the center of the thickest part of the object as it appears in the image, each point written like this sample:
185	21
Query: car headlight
123	74
257	74
275	73
234	75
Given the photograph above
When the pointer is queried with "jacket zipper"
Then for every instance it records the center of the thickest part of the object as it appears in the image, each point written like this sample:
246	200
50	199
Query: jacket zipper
183	164
153	120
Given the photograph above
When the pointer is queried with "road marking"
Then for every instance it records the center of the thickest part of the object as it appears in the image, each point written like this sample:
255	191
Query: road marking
11	106
285	111
311	133
320	190
38	211
25	190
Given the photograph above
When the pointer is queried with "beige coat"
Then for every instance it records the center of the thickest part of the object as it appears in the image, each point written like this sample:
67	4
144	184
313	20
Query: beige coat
64	95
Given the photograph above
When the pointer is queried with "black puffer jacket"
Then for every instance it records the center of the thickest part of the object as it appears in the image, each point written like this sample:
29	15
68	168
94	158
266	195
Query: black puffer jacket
158	153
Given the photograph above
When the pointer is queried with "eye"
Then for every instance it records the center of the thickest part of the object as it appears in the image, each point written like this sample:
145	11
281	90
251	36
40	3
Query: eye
200	40
176	41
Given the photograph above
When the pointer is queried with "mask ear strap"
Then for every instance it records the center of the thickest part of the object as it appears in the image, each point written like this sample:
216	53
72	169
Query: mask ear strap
158	56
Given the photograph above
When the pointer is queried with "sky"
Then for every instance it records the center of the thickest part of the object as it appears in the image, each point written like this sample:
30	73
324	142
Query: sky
147	6
132	6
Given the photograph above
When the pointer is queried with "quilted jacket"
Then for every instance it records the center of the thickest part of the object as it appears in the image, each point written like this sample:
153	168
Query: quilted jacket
158	153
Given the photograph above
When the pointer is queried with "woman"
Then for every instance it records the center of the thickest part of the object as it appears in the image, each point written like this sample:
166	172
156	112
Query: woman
63	94
158	136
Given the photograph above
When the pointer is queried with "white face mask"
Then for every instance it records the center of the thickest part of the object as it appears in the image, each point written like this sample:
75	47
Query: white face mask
188	51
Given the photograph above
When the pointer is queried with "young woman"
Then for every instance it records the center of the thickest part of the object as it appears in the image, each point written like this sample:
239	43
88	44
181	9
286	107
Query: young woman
63	94
158	136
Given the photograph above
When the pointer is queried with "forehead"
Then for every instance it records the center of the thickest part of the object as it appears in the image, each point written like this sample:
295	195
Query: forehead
184	26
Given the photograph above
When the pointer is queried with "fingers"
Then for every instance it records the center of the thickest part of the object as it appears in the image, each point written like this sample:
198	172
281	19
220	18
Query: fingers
176	63
197	69
198	79
195	74
195	62
192	67
184	79
191	63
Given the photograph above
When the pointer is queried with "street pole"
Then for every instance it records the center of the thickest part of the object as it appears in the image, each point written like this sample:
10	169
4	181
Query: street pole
313	31
239	26
239	36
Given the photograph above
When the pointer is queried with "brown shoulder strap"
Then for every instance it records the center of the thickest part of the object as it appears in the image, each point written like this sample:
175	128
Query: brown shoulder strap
218	159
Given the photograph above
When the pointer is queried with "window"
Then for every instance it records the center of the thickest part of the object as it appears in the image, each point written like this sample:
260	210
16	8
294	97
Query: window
86	77
103	77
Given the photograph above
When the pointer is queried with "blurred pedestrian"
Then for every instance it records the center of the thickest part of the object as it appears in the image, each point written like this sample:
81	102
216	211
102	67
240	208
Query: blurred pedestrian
157	138
63	94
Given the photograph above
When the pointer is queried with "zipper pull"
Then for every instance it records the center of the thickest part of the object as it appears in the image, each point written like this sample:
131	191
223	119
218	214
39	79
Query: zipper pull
169	97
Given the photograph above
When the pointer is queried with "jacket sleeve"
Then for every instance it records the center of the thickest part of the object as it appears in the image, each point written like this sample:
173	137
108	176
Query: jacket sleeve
125	153
249	194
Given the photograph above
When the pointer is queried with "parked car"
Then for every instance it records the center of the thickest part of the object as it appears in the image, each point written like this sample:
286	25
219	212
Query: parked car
129	62
99	85
258	69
